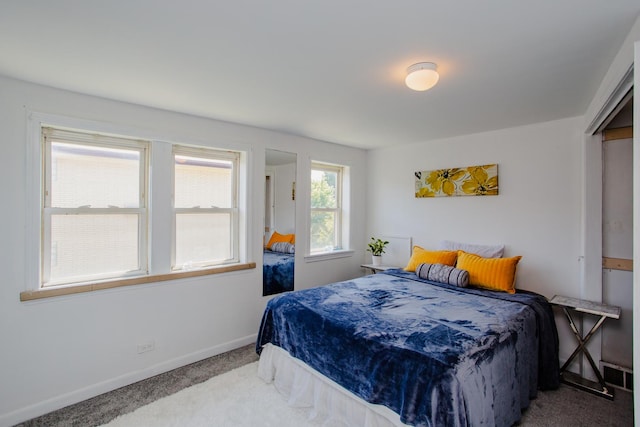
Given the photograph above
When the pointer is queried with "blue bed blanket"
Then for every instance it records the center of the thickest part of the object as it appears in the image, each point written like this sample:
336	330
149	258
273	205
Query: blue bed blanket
433	353
277	272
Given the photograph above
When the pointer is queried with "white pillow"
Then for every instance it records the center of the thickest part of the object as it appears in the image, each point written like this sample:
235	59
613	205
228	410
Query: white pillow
485	251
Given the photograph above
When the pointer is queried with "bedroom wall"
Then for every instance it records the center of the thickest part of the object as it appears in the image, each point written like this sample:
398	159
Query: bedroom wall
537	213
58	351
285	217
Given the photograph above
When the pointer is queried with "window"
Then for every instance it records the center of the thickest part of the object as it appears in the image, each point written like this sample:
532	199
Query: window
94	207
205	207
326	208
105	220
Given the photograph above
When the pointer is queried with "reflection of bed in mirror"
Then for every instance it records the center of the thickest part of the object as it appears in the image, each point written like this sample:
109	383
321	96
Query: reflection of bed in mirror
279	221
277	271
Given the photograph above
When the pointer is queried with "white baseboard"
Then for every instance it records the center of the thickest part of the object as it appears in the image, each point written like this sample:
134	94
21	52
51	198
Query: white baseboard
49	405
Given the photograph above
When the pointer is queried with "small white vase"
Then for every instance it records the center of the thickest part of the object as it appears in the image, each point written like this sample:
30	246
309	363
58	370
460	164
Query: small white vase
376	259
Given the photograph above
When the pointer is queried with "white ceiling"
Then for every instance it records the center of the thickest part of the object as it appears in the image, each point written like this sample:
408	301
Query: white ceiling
331	69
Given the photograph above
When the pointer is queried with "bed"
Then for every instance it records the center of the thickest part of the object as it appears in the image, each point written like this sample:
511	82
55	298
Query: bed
277	272
410	351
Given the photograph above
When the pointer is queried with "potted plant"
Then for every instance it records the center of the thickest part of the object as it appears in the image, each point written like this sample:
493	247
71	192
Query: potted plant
376	247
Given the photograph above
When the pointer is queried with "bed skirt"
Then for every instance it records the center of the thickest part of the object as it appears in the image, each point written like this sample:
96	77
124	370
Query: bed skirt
329	403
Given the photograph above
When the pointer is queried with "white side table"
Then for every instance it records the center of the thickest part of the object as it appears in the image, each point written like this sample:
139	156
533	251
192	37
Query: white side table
596	309
375	268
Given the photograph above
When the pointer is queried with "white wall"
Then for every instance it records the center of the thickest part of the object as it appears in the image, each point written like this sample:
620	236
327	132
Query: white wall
536	215
285	217
57	351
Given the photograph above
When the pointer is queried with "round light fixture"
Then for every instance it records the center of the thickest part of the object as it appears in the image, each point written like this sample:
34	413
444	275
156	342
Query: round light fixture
422	76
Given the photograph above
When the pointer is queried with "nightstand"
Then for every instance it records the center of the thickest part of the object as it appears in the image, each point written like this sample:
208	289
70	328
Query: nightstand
375	268
595	309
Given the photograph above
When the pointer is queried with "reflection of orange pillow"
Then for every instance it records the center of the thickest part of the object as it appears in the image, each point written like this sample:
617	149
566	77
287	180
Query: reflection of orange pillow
293	239
422	256
277	237
497	274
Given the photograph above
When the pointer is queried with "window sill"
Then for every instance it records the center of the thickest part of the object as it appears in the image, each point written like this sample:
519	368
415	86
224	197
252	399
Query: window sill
98	286
328	255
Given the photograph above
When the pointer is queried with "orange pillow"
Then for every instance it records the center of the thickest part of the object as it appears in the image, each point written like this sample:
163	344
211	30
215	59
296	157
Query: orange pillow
422	256
277	237
496	274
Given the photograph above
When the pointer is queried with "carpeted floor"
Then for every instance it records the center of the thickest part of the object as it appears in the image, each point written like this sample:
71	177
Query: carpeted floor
105	407
566	406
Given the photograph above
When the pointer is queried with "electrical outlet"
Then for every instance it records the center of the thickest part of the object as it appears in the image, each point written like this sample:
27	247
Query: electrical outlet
146	346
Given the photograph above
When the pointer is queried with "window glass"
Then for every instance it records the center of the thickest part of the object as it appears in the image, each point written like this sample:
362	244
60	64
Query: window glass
203	239
94	207
92	246
323	231
206	220
326	212
84	175
324	189
203	182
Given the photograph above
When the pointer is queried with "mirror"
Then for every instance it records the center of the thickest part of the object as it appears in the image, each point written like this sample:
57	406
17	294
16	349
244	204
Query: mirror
279	222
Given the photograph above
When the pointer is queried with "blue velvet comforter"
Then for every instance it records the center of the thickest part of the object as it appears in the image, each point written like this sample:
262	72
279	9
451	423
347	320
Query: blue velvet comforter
277	272
434	353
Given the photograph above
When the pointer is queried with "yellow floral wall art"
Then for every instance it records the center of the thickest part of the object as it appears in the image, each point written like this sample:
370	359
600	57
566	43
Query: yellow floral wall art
466	181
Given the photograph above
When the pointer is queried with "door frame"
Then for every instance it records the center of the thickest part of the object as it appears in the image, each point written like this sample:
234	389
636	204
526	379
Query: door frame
592	173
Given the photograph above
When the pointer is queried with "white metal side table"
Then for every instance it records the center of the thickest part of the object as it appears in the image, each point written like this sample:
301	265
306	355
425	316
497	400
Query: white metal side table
375	268
597	309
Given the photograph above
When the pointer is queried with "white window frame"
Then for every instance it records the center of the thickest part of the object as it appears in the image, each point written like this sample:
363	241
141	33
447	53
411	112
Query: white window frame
339	239
213	154
90	139
159	206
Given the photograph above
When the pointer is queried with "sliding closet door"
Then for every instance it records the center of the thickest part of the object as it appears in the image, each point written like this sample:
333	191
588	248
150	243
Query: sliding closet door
617	239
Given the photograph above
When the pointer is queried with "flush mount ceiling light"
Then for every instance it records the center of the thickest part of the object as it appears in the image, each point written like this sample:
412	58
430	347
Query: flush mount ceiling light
422	76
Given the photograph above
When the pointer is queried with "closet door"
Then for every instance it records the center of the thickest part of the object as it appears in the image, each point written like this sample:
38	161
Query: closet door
617	238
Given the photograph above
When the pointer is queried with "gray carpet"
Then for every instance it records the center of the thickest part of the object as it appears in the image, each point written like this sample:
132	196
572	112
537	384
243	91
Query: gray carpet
105	407
566	406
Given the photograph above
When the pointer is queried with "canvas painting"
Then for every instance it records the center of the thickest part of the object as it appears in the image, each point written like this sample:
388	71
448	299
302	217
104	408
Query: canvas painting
466	181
